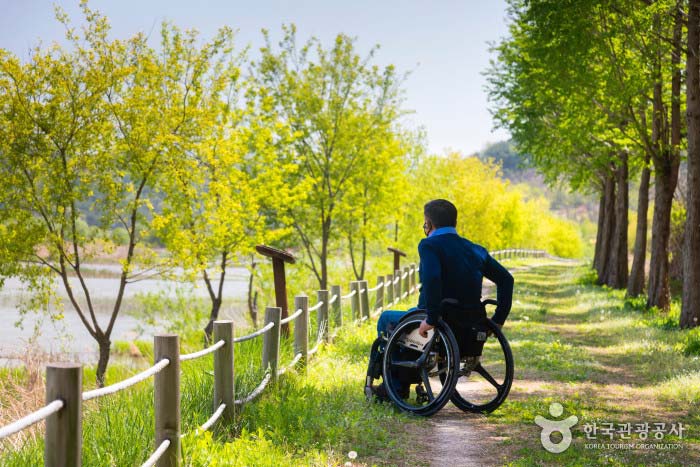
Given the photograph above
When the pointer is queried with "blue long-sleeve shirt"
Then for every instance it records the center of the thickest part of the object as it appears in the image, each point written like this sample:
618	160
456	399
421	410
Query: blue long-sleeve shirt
454	267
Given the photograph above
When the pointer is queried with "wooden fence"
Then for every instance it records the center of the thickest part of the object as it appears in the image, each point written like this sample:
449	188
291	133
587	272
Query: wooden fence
64	394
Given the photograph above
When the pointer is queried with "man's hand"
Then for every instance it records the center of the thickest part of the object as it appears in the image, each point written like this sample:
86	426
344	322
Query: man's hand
424	328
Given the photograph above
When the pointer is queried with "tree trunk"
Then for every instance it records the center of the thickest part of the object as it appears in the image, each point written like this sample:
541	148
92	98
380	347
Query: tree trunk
601	227
215	296
666	176
364	246
618	268
104	345
666	163
252	297
690	311
635	284
213	316
325	238
608	228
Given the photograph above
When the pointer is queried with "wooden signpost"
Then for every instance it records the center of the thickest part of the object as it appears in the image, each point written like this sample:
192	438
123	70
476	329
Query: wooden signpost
279	257
397	257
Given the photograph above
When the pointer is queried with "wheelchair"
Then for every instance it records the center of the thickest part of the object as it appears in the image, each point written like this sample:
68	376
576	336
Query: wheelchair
465	359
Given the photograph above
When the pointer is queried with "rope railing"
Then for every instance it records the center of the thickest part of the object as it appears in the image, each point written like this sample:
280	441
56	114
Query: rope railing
319	339
333	299
291	317
201	353
256	392
29	420
377	287
210	422
349	295
294	361
317	306
255	334
157	454
315	349
121	385
396	280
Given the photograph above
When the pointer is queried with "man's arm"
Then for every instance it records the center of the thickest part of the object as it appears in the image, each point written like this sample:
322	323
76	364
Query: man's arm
431	291
504	287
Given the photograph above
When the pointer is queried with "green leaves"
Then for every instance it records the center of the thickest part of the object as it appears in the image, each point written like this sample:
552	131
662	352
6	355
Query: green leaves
350	152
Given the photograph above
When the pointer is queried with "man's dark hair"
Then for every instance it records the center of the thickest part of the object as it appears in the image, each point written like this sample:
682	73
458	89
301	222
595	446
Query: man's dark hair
441	213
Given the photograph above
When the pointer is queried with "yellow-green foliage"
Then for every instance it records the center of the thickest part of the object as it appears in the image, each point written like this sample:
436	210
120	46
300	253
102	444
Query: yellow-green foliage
491	211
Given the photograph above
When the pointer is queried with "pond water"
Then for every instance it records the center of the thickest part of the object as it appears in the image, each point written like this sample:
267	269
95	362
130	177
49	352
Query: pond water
69	336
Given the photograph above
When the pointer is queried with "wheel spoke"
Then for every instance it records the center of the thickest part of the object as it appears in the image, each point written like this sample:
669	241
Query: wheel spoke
429	347
482	371
426	383
438	372
405	363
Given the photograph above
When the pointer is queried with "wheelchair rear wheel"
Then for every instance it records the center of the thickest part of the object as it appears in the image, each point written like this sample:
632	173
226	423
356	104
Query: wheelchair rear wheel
483	385
420	374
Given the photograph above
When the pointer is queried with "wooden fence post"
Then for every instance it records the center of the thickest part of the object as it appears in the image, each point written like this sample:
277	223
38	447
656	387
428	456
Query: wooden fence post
379	301
224	373
337	306
322	321
397	287
166	388
364	298
271	341
414	271
389	284
355	299
63	438
301	329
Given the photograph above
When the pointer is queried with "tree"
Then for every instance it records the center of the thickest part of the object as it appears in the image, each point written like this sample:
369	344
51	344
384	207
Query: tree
59	138
234	161
335	102
666	153
94	130
362	216
549	87
601	78
690	311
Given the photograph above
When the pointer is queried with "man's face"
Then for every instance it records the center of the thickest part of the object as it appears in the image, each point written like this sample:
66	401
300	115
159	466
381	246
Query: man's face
427	226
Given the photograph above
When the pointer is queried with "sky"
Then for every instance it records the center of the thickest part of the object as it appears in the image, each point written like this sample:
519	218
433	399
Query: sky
443	43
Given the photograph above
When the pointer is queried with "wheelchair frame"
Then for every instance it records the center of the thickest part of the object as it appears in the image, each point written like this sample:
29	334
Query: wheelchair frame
438	356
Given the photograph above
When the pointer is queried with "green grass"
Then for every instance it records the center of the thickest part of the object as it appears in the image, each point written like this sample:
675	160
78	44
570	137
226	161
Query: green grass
606	360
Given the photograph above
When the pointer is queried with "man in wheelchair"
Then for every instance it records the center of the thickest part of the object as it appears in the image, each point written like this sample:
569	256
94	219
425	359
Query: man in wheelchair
451	273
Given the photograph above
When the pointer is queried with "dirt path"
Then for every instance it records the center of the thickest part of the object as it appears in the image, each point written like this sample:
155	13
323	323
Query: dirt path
459	439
